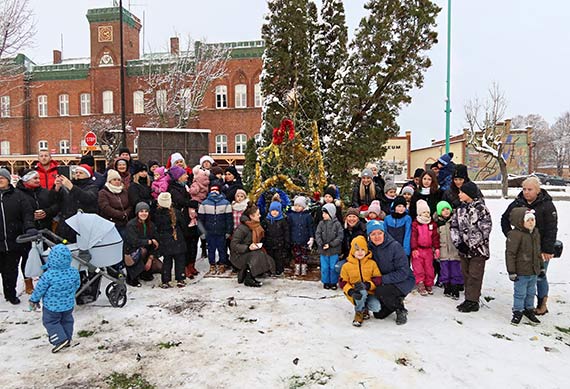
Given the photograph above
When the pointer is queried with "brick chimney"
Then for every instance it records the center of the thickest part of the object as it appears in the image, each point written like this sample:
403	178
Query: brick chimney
56	56
174	45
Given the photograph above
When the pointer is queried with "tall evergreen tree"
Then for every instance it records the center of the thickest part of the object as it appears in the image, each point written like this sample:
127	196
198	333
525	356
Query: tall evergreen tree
388	57
330	56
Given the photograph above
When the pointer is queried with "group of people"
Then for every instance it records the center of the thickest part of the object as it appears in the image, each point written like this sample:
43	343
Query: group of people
432	231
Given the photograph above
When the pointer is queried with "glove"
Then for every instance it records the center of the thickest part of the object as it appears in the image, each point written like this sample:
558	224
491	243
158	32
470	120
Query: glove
367	285
513	277
227	236
355	294
32	231
359	286
436	254
310	242
463	248
34	306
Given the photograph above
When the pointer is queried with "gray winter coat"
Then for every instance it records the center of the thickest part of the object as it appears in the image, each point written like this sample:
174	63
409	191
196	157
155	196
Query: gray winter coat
240	255
523	247
447	251
329	232
471	224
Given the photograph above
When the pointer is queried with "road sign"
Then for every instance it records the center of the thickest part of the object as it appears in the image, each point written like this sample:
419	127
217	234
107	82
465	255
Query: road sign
90	139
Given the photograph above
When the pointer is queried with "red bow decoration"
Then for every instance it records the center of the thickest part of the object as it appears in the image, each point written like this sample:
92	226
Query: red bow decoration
279	132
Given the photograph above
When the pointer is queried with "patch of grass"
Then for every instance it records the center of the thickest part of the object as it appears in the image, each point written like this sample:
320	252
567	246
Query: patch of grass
319	377
241	318
123	381
459	322
2	330
501	336
402	361
563	330
104	321
489	298
169	344
102	347
85	333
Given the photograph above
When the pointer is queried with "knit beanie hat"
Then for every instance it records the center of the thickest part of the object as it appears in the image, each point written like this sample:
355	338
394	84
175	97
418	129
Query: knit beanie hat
175	157
330	209
165	200
460	172
152	163
529	214
442	205
470	189
353	211
275	206
176	172
232	169
206	158
215	188
140	206
445	159
86	169
112	174
87	159
407	189
138	167
399	200
418	173
300	200
331	192
422	206
389	186
124	150
216	170
241	191
29	175
375	207
367	173
374	225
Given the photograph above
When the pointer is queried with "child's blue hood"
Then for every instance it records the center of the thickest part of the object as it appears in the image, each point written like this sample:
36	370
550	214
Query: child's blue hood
59	258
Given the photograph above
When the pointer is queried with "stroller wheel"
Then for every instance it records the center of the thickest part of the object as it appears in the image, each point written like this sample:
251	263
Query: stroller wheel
117	294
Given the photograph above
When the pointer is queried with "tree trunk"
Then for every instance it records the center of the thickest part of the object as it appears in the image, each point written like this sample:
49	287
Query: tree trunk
504	178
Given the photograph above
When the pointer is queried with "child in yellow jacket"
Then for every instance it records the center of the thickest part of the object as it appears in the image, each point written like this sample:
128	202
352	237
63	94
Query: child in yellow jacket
359	277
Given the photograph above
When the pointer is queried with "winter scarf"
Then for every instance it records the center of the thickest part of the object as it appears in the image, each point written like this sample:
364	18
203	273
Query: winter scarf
113	188
240	206
425	191
423	219
257	232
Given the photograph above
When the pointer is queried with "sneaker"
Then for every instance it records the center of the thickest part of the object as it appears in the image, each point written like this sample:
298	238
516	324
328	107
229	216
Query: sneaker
181	283
429	289
529	314
468	306
366	314
326	286
221	269
165	285
213	270
517	317
401	316
422	289
60	346
333	286
13	300
358	319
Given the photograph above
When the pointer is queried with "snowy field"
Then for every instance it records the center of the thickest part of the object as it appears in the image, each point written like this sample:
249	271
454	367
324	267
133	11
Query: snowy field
218	334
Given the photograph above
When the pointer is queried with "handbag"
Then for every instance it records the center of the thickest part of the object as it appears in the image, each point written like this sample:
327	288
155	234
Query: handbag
132	258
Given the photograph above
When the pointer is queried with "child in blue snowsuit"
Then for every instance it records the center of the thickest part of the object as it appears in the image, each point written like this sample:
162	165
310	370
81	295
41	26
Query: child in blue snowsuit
399	224
57	287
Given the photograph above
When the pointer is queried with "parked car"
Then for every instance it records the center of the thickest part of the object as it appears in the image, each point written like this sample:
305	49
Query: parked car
550	180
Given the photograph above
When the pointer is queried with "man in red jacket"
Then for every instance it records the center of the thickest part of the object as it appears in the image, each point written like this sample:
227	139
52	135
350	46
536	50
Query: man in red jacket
47	169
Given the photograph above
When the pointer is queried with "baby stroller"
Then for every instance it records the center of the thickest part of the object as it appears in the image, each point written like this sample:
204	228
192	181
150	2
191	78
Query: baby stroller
99	246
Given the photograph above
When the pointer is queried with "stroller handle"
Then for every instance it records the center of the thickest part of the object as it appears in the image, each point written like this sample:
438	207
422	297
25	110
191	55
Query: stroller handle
27	238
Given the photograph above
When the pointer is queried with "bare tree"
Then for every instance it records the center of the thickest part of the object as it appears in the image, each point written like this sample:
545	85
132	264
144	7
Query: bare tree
559	145
109	134
178	82
485	133
17	26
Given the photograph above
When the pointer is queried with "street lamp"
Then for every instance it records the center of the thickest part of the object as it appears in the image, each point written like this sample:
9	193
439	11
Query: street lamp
448	98
122	77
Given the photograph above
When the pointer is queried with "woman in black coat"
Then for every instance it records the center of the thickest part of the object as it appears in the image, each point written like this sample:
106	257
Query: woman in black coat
140	245
366	191
139	189
428	190
232	182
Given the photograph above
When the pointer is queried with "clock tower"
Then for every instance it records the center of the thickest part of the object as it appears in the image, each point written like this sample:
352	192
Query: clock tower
105	35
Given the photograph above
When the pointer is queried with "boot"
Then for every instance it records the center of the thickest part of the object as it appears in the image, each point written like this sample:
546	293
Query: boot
241	275
297	269
422	289
517	317
193	270
249	280
447	290
304	269
366	314
29	285
529	313
455	292
358	319
401	316
221	269
212	269
188	272
542	309
468	306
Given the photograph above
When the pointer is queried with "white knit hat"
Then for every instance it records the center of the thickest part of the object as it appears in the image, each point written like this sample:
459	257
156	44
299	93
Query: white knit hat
422	206
112	174
206	158
165	200
175	157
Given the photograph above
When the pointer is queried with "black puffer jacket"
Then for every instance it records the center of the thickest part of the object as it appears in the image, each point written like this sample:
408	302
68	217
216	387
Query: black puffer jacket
83	195
16	216
351	233
546	218
140	193
167	244
136	236
39	199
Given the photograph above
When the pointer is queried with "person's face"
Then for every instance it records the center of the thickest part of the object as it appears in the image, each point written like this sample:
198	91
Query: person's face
435	169
115	182
417	180
391	193
80	174
366	180
530	223
143	173
400	209
126	156
463	197
122	166
374	170
143	214
255	216
239	197
372	215
407	196
458	182
298	208
4	182
377	237
530	192
44	157
274	213
183	178
359	253
35	180
207	165
351	220
326	216
328	198
180	163
426	181
229	177
219	176
425	214
153	168
446	212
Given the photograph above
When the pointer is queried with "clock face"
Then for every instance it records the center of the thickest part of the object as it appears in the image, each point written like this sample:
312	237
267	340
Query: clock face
105	33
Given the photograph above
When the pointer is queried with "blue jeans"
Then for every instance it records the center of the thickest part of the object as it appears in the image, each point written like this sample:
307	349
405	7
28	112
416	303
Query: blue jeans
368	300
328	273
542	283
59	325
525	290
217	242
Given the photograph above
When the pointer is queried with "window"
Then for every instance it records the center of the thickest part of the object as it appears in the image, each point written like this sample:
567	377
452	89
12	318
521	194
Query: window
241	141
5	106
85	99
161	100
241	96
42	106
64	146
42	145
5	147
138	101
108	101
63	105
136	145
221	96
221	144
258	100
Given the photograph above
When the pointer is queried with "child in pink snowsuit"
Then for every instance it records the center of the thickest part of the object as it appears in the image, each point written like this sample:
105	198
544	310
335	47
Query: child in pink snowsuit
200	186
425	247
161	182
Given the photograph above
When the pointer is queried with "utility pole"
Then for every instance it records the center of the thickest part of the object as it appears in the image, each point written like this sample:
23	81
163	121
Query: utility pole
122	78
448	94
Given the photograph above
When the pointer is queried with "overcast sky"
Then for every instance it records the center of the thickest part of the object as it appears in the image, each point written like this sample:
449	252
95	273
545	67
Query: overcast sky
524	45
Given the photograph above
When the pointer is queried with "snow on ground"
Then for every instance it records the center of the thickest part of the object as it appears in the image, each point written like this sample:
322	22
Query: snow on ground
289	329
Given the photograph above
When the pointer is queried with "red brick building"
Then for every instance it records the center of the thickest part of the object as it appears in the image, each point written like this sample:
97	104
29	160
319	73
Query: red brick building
47	106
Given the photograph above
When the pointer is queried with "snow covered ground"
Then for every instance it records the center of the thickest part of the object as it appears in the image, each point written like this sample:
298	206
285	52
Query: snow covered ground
293	333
